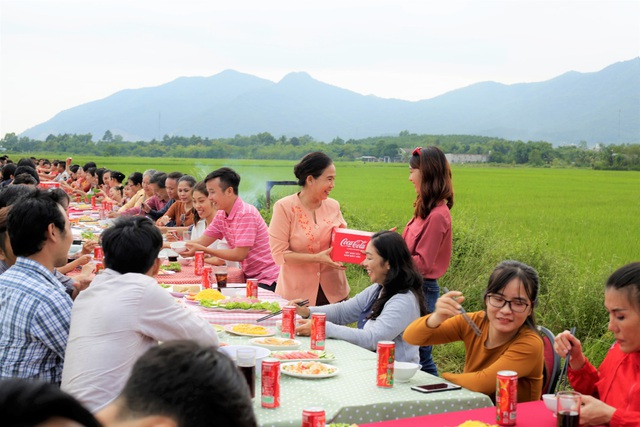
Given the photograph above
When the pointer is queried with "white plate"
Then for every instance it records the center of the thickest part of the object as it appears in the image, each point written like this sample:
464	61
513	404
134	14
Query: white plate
275	347
334	372
229	328
330	357
162	272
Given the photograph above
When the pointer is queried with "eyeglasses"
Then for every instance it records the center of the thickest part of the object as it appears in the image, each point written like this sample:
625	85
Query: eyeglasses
417	151
517	306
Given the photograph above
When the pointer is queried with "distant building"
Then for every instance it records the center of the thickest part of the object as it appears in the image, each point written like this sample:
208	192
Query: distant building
467	158
367	159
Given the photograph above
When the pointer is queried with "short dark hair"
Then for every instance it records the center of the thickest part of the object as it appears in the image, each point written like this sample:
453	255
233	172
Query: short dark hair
26	162
118	176
89	165
627	279
29	219
313	164
27	169
136	178
74	168
60	197
228	178
193	384
158	178
13	193
26	403
188	178
175	176
131	245
25	179
8	170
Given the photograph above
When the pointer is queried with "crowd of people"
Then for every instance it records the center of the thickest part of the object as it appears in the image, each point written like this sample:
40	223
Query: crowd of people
96	337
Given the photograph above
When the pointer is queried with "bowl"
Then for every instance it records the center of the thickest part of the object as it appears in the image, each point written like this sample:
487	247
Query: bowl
403	371
551	402
185	261
179	247
261	354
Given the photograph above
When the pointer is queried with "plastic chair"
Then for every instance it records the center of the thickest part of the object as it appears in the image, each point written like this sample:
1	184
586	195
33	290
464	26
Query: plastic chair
552	361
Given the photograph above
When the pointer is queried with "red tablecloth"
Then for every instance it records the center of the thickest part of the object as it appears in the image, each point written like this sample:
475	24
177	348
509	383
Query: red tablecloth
530	414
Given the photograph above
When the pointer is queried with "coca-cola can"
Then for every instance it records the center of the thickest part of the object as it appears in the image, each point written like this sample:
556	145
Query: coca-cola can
93	202
198	263
99	267
98	253
206	277
318	331
386	359
313	417
506	397
289	321
270	383
252	288
103	214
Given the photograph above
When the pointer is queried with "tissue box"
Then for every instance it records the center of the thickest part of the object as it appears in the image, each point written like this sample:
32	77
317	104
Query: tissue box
348	245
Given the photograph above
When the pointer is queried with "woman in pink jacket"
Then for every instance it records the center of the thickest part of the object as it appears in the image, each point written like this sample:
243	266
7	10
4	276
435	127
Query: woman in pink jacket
611	393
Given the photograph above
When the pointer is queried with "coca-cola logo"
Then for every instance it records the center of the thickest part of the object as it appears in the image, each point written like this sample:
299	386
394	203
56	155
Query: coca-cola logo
353	244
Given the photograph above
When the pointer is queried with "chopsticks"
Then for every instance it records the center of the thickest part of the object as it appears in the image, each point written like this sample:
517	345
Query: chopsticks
269	316
466	317
562	384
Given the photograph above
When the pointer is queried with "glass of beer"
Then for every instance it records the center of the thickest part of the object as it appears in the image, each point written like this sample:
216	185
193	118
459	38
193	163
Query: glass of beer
568	409
221	272
246	360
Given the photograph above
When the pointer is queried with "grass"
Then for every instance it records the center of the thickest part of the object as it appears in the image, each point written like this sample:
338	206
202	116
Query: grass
574	226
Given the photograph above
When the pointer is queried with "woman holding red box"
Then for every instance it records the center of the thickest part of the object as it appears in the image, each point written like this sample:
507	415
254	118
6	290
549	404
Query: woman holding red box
428	233
300	236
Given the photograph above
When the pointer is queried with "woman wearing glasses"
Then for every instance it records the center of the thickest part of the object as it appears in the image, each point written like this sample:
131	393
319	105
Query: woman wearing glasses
507	339
428	234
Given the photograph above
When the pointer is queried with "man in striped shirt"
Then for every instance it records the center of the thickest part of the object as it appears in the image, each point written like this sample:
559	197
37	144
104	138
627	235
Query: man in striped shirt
242	226
35	310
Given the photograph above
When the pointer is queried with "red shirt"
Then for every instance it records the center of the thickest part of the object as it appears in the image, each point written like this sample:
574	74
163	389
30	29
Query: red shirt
429	241
616	383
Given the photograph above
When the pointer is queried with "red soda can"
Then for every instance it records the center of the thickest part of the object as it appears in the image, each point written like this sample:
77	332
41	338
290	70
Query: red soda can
289	321
78	198
206	278
313	417
103	214
386	359
98	253
252	288
318	332
99	267
506	397
270	383
93	202
199	262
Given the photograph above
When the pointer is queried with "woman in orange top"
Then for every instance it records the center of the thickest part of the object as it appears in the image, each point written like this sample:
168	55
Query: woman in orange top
181	212
300	236
507	339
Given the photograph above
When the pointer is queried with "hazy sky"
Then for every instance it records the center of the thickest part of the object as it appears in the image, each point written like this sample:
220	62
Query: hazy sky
56	54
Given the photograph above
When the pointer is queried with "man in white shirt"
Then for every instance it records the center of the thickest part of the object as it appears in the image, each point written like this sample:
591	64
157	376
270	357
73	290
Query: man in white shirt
122	314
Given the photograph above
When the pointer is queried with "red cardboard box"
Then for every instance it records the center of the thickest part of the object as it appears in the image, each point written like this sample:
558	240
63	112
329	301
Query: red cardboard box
49	184
348	245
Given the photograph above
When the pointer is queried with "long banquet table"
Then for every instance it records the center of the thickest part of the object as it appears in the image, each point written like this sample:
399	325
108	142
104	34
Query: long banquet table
352	396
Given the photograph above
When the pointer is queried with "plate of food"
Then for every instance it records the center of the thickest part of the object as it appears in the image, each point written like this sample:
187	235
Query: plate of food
303	355
162	272
309	370
248	330
275	343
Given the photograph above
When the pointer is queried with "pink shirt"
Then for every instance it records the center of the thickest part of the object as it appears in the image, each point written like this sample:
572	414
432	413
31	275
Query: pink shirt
429	241
292	229
245	227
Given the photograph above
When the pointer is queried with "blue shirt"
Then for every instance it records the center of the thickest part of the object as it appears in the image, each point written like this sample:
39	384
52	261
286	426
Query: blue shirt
35	313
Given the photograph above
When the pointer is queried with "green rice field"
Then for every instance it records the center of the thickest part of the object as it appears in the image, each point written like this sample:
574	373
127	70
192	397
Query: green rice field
575	226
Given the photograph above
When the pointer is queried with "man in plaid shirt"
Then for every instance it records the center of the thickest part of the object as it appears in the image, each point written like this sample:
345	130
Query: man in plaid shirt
35	310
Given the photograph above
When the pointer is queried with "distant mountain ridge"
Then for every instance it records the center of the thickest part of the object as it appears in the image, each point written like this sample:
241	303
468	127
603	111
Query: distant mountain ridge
602	106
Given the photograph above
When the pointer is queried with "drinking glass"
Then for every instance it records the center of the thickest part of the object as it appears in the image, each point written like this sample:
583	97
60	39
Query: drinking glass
246	360
568	409
221	275
186	236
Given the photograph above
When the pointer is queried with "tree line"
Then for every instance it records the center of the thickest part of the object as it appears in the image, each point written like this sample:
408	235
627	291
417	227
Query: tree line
266	146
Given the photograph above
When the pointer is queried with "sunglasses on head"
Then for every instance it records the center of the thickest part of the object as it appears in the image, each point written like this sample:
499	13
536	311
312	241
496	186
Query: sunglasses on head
417	151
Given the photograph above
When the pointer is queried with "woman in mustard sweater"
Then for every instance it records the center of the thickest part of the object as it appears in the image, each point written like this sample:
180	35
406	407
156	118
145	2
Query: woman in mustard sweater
507	337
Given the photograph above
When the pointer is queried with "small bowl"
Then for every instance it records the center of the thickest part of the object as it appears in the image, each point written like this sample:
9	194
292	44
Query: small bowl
185	261
403	371
179	247
551	402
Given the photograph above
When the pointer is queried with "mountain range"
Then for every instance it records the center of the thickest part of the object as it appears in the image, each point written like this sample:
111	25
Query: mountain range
597	107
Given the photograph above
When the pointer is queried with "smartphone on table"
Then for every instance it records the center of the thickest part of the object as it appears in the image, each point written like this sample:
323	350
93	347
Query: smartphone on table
434	388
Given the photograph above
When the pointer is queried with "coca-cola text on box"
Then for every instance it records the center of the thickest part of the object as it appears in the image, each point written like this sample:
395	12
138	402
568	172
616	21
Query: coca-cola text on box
349	245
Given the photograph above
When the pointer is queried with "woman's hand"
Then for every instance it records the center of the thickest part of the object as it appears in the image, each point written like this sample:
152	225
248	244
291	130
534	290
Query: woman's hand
171	236
83	259
324	257
594	412
191	249
447	306
301	310
161	222
303	327
564	342
88	246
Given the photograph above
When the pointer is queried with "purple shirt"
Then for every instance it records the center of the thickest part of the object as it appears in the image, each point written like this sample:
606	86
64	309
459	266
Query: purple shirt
245	227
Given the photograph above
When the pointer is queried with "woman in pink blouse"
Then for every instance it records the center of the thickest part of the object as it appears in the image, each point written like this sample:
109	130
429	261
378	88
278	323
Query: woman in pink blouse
300	236
428	234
